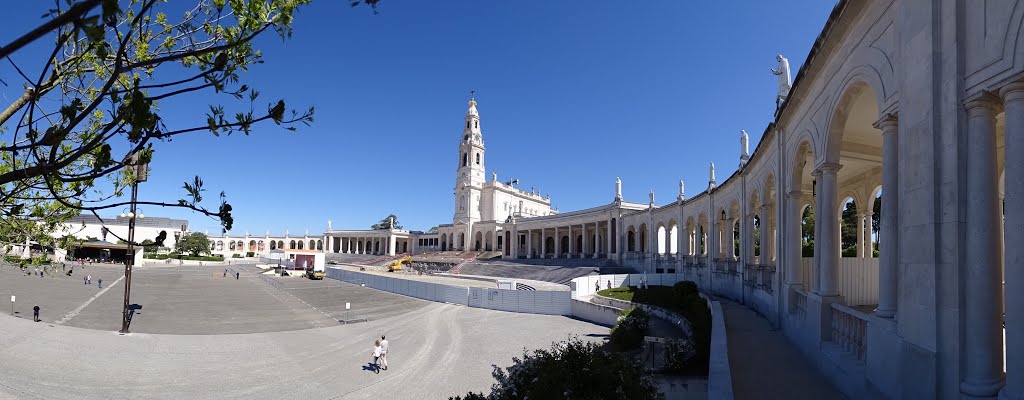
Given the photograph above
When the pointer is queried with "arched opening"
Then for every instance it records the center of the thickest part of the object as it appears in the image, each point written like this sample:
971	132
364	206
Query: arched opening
280	244
757	236
461	245
291	245
488	241
320	245
299	244
465	159
260	246
273	245
735	250
220	245
848	228
478	243
630	240
643	238
662	240
549	246
673	237
564	240
252	245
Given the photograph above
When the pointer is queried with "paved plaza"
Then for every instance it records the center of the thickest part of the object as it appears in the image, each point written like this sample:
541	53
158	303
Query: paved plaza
200	335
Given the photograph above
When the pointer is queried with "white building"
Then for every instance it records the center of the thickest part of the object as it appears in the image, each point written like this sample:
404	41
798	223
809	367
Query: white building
116	228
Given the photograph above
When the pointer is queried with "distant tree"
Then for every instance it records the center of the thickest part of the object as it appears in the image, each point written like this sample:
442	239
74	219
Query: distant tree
848	230
389	222
433	229
194	244
876	219
570	370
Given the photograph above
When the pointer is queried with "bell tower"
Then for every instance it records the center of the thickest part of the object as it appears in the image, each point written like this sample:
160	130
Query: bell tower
470	172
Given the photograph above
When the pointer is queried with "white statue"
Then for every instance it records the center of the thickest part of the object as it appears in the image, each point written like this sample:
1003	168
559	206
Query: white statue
711	171
682	192
329	228
494	176
785	82
744	147
652	197
618	188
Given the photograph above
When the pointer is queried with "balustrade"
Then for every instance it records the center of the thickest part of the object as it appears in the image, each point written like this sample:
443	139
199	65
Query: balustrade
767	276
848	329
750	275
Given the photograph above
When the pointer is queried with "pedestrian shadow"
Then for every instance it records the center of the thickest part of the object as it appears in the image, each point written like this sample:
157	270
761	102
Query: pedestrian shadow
370	367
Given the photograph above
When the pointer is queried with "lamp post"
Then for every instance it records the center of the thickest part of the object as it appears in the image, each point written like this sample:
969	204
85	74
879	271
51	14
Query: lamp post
140	172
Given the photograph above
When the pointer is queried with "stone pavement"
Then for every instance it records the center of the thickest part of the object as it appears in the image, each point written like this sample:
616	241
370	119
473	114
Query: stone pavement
765	365
437	350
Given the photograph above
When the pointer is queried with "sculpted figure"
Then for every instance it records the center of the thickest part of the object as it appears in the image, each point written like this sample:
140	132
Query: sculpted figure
785	81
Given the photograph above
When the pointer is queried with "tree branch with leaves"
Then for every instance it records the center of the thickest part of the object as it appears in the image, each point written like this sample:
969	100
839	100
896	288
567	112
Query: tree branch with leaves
92	105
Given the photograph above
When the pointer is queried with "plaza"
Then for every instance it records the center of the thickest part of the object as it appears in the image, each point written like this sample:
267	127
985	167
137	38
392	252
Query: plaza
202	335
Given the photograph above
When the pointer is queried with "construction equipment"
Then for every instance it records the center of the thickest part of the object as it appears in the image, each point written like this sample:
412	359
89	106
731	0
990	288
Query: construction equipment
314	273
397	264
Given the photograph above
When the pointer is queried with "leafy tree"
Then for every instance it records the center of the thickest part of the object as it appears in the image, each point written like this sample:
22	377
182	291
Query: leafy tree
876	220
570	370
433	229
848	230
757	235
194	244
807	232
389	222
89	116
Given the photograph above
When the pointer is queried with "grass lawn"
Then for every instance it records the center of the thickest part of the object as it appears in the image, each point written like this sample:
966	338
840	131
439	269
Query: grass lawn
656	295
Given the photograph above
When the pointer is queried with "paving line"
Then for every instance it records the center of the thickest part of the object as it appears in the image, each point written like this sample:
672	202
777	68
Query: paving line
74	313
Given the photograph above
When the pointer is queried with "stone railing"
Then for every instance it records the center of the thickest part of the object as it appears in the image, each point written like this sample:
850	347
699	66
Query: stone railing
848	329
767	276
798	301
750	274
702	261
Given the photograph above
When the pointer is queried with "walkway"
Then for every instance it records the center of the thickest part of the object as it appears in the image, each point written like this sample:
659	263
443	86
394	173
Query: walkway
765	365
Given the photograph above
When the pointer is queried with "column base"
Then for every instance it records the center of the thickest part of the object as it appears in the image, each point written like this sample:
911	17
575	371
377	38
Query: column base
984	389
885	313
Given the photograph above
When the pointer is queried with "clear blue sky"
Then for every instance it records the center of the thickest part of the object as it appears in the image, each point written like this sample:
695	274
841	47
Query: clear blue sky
571	95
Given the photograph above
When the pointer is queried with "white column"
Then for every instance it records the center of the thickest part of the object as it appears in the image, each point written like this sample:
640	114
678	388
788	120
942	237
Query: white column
529	243
558	244
1013	232
543	244
868	227
888	265
597	238
983	294
608	238
572	243
861	246
825	243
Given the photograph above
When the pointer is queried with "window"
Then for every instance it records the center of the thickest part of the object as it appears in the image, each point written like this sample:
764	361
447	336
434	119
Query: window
476	124
477	158
467	125
465	159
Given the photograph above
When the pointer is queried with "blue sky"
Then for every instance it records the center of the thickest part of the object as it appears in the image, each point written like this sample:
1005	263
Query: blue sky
572	94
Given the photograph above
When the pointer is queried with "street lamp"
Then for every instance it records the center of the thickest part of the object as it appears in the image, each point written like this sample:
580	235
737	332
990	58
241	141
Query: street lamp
140	172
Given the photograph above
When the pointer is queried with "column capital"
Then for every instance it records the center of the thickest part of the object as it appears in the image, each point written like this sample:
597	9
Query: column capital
982	104
827	168
887	123
1012	91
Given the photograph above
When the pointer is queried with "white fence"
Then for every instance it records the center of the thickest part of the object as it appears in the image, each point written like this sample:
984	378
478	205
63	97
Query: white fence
858	279
585	285
523	301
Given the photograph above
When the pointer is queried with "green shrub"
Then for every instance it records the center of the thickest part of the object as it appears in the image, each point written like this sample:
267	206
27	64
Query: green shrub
250	254
629	331
236	255
571	370
678	353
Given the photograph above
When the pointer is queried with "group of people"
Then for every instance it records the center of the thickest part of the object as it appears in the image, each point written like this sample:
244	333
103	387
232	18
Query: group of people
380	354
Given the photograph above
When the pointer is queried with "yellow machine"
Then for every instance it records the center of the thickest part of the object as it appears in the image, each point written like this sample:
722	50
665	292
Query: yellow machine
397	264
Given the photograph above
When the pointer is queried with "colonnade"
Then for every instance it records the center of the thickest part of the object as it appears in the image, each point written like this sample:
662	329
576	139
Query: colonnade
581	240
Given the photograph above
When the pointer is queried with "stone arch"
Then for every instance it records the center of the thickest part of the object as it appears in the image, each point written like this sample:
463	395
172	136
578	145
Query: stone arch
478	241
444	241
489	241
320	244
691	229
291	245
855	84
701	239
260	246
280	244
273	245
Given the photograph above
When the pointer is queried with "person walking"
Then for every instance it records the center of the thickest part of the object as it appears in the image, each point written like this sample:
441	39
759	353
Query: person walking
35	313
225	273
88	279
100	281
384	352
85	280
376	356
